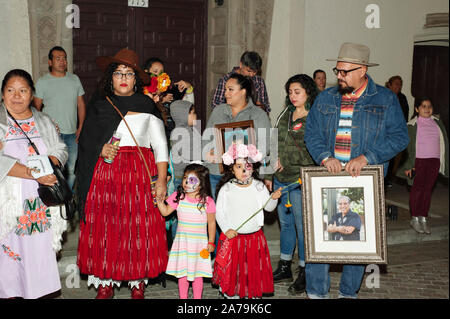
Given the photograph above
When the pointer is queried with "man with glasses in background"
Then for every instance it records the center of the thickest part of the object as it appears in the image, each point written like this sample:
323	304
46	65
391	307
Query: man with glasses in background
60	95
351	125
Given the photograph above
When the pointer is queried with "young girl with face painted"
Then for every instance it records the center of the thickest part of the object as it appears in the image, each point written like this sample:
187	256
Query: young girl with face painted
195	232
241	194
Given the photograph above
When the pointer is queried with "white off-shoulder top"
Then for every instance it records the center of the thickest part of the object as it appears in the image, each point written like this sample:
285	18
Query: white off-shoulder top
148	131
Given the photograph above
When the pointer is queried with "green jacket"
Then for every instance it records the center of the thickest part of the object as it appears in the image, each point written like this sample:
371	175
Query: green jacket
292	150
410	160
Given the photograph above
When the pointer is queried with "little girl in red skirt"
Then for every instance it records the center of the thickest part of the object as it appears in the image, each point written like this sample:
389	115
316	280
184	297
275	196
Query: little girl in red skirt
242	268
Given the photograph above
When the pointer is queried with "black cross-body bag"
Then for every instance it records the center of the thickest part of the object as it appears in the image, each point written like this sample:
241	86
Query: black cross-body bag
60	193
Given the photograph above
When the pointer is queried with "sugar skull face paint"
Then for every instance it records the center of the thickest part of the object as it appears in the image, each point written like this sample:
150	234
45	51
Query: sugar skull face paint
242	170
190	183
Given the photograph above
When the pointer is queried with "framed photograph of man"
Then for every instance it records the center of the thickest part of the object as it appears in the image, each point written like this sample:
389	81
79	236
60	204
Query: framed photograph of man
238	132
344	216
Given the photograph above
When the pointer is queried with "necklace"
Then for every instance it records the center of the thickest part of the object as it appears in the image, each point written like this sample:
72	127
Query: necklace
247	182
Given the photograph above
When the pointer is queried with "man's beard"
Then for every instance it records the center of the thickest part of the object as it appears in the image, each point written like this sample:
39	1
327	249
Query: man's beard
346	90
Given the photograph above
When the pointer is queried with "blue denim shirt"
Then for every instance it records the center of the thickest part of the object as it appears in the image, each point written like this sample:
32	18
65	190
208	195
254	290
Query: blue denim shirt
379	129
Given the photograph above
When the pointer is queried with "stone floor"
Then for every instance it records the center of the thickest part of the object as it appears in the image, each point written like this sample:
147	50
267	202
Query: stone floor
415	271
417	264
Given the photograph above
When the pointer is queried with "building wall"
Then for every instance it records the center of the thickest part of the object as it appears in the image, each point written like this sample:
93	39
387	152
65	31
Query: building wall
15	49
286	54
325	24
234	27
33	28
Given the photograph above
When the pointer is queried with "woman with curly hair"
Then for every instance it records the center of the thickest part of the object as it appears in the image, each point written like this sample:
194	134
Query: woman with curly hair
122	234
301	92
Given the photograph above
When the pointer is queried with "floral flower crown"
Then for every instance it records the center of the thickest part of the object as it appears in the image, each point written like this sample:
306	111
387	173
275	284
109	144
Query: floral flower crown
158	83
240	150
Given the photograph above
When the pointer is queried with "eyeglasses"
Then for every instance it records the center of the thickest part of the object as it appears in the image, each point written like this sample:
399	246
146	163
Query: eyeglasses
343	72
119	75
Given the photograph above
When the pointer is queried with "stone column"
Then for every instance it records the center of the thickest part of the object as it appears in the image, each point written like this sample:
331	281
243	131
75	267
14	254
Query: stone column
235	27
48	29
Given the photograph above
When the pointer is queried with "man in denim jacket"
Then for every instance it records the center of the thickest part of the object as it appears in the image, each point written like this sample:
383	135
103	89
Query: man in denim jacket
355	124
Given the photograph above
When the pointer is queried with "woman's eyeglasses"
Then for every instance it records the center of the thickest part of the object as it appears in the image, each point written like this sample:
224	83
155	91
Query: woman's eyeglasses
120	75
344	72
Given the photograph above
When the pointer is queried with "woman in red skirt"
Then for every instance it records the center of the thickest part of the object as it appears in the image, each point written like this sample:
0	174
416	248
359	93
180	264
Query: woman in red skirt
242	267
122	234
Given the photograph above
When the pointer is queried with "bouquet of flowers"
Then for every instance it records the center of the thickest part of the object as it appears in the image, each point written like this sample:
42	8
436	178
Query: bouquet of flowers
158	84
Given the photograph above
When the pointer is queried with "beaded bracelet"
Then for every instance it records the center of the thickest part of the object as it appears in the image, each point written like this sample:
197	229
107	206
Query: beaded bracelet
212	244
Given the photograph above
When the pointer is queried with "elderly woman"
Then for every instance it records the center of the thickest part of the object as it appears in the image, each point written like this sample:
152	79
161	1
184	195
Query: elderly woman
122	233
30	232
301	91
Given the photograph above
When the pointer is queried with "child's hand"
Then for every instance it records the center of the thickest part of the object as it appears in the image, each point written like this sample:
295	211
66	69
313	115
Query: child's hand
409	172
183	85
231	233
168	98
277	193
211	248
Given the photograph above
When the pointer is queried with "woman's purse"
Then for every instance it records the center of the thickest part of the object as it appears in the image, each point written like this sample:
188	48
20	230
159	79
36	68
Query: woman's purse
58	194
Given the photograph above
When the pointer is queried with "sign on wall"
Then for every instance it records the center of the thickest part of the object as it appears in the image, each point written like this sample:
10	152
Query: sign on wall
138	3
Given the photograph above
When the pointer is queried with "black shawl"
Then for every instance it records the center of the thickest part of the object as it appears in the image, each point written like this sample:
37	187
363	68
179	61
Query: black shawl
100	123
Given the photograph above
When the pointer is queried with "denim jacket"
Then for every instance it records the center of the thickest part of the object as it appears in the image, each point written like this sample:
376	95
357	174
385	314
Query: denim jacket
379	129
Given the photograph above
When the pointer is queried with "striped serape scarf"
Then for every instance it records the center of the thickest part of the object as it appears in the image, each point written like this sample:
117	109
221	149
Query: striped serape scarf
343	145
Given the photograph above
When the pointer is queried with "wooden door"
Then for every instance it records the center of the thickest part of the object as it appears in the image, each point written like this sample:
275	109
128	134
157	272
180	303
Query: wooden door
176	32
104	29
430	78
173	30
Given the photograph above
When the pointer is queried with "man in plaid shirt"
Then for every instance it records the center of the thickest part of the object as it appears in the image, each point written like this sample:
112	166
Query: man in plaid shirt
250	65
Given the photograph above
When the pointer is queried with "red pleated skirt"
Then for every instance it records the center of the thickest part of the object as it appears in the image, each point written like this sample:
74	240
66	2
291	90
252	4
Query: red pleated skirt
124	236
248	271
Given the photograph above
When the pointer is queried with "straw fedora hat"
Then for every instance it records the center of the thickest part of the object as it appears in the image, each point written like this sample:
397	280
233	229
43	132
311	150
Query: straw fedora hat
126	57
354	53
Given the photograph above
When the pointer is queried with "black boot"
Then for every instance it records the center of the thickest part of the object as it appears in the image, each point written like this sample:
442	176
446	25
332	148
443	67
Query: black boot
283	272
299	284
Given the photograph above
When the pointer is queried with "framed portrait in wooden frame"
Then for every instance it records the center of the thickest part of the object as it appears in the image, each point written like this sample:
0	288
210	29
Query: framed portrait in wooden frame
237	132
344	216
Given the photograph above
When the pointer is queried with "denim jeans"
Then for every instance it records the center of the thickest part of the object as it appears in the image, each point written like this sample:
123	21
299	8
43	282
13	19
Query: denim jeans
291	222
72	149
318	280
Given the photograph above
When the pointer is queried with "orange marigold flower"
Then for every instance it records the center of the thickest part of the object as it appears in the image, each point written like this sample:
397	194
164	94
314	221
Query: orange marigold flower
300	181
204	253
288	205
163	82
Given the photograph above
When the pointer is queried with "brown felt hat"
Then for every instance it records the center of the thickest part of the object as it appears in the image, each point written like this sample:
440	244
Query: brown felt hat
126	57
354	53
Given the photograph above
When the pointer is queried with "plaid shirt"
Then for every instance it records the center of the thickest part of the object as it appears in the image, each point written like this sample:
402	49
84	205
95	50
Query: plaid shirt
260	89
